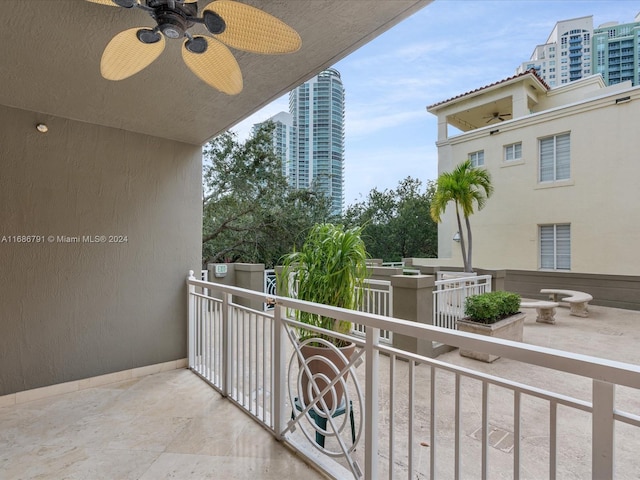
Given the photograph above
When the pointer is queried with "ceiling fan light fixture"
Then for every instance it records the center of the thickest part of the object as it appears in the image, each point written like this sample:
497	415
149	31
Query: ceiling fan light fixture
148	36
196	45
214	22
125	3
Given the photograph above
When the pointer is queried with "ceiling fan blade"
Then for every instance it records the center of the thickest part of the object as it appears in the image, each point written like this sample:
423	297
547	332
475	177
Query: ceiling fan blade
103	2
217	66
114	3
252	30
126	55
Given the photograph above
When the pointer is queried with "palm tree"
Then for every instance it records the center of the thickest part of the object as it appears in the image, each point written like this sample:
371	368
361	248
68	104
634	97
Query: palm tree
464	186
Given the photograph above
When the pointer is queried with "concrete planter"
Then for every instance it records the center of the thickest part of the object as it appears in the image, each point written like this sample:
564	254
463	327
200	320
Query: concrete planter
509	328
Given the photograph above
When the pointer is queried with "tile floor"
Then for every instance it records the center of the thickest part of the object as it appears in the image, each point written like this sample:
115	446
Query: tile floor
170	425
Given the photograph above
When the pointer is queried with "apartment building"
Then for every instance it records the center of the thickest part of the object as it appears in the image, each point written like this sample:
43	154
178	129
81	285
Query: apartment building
575	49
563	165
615	48
566	55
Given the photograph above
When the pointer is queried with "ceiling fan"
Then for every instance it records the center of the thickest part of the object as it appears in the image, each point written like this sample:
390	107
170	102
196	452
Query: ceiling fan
230	23
497	116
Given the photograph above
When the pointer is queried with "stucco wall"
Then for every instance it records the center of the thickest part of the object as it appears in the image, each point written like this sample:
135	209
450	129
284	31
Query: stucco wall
600	200
73	310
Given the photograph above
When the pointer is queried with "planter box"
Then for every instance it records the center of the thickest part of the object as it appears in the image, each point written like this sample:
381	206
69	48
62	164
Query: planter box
509	328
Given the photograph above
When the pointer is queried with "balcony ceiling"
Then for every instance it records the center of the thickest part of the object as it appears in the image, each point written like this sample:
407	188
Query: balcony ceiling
50	63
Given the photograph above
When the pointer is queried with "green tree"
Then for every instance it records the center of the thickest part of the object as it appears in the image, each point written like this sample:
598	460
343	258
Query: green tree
465	186
396	223
249	212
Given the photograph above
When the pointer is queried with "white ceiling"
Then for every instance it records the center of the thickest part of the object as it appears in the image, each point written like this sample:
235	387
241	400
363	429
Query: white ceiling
50	62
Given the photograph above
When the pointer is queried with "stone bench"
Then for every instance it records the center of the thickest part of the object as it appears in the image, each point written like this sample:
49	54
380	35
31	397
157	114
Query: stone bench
546	310
578	301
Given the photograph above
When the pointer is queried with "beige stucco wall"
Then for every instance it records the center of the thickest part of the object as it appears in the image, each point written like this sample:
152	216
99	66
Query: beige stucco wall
76	310
600	201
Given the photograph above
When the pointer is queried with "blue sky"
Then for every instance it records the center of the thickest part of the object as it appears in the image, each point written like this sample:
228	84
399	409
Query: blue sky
448	48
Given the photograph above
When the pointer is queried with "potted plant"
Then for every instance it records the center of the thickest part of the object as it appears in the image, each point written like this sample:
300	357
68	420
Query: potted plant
494	314
330	269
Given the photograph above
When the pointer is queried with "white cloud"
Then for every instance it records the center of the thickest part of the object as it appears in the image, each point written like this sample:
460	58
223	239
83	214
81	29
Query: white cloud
364	122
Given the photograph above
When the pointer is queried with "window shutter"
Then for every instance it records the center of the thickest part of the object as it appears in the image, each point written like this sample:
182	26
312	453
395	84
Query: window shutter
563	155
563	247
555	247
547	253
546	159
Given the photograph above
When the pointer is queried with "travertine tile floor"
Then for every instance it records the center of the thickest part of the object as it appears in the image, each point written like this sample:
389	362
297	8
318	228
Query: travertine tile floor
170	425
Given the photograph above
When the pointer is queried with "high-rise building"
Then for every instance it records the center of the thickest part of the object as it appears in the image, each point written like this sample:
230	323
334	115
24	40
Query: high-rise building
283	143
615	46
566	55
317	107
310	138
575	50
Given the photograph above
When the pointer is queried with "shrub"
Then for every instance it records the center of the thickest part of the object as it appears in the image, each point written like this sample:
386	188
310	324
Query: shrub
491	306
330	268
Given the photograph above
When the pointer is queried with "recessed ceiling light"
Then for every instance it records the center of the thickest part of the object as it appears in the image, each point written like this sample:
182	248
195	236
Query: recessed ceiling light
42	128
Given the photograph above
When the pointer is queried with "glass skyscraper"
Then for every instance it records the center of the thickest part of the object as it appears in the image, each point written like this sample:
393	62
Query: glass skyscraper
313	131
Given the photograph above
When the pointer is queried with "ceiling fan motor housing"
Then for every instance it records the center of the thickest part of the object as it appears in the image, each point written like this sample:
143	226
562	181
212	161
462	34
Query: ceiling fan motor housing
173	20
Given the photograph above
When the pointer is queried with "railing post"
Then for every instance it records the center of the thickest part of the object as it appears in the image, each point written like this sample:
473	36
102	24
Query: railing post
191	320
602	424
279	372
413	300
372	355
227	345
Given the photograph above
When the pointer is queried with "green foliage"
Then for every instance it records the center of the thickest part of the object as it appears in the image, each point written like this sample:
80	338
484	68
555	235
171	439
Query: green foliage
330	268
249	212
396	223
465	186
491	306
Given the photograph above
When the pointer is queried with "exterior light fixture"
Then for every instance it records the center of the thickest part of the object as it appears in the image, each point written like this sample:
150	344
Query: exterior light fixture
623	100
42	128
456	237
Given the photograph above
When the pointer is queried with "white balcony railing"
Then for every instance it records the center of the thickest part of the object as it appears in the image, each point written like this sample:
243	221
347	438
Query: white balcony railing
377	298
450	293
404	405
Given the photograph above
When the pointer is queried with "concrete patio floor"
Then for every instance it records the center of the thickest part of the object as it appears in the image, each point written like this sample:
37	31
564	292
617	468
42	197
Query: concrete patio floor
173	425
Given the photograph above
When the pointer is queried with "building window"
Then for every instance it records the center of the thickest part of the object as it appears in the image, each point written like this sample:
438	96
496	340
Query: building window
513	152
555	157
555	247
477	158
